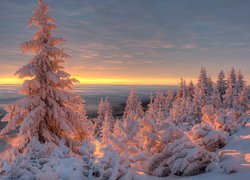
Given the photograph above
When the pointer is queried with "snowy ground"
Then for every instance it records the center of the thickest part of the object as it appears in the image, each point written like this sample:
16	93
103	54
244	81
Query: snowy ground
236	155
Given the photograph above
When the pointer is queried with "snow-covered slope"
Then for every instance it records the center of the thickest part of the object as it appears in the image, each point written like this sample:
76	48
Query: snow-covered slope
233	157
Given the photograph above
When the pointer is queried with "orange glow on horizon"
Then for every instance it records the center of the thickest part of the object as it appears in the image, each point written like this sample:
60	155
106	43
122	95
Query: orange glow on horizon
128	81
124	81
10	81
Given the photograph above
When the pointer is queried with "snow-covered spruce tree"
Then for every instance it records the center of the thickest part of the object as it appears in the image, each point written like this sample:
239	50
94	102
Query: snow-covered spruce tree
225	122
115	163
117	129
240	83
128	143
205	85
159	100
120	152
133	106
106	129
175	154
198	103
191	89
210	88
163	103
216	99
170	97
243	101
221	85
149	131
104	109
47	112
208	132
182	113
182	90
219	90
150	113
202	94
231	91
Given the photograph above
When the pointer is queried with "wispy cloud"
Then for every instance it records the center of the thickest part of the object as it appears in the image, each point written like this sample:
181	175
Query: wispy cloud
130	37
114	62
190	46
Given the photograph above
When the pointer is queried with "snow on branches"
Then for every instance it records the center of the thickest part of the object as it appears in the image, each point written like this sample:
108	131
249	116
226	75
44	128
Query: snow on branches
46	112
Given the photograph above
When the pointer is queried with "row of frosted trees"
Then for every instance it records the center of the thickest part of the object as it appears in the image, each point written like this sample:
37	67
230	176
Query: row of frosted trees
177	135
180	130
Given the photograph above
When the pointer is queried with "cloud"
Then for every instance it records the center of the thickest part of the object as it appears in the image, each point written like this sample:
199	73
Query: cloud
148	62
168	35
190	46
114	62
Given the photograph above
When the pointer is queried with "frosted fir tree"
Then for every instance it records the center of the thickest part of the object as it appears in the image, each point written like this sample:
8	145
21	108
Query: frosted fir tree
106	129
163	103
205	86
111	166
170	98
47	112
160	106
221	85
133	106
182	113
204	135
210	90
160	117
182	90
231	91
216	100
191	89
243	100
240	83
150	113
208	133
117	129
104	109
168	103
175	154
159	100
229	120
149	131
128	144
198	102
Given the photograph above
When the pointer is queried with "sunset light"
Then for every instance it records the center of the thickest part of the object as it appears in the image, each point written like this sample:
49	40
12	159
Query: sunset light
124	89
84	80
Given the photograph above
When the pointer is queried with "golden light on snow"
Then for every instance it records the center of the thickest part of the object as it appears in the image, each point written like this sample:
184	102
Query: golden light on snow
15	141
247	157
141	173
98	152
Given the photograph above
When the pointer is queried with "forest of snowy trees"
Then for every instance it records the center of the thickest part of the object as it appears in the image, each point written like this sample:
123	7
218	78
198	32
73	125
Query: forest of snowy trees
179	133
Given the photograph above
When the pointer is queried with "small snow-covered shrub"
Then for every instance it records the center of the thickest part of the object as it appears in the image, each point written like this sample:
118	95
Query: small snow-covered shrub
47	161
112	166
206	136
176	154
229	160
227	120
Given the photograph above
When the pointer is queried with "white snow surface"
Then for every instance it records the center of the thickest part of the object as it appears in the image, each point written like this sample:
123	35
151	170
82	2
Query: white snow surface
235	156
233	162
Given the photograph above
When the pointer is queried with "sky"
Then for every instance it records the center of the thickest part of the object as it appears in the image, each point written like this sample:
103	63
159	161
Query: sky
135	41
